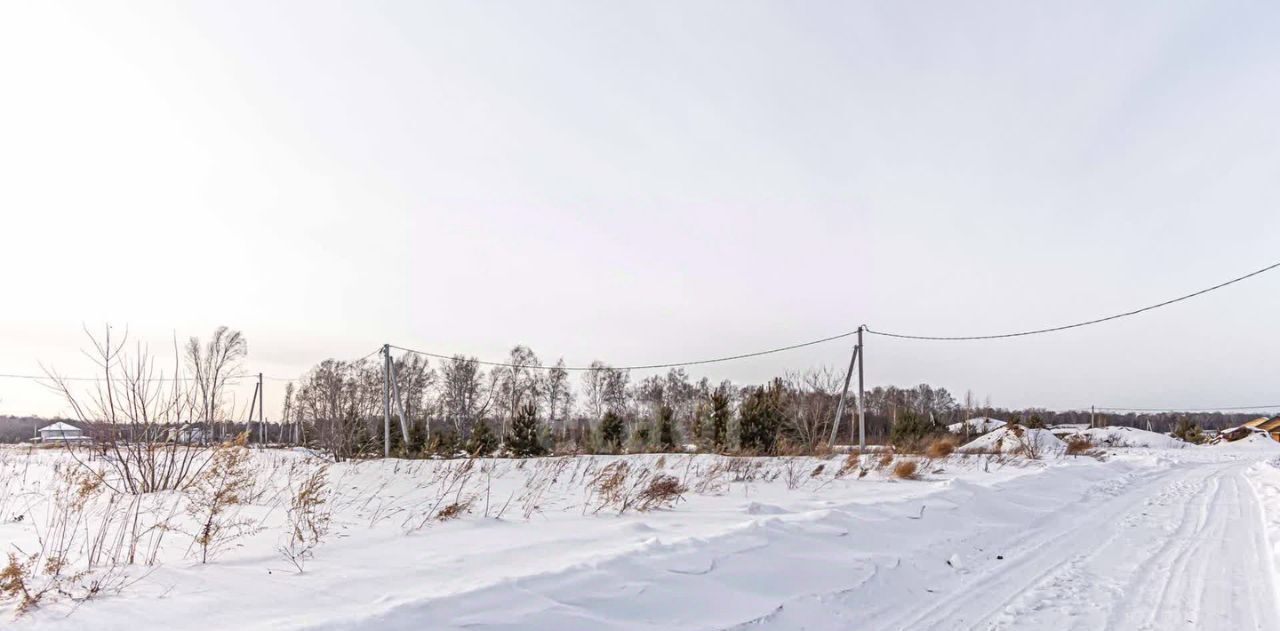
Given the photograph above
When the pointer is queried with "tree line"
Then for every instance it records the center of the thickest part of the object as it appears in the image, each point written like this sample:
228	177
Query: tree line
524	407
527	408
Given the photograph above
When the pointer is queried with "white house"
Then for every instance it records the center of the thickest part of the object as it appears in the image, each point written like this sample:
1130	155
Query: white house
61	432
190	434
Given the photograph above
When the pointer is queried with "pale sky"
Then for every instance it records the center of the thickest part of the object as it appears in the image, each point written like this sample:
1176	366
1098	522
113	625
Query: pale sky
652	182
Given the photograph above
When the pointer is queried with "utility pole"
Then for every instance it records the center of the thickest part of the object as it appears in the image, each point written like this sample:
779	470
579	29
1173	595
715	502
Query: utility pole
1093	421
862	394
835	425
395	390
257	390
262	403
386	400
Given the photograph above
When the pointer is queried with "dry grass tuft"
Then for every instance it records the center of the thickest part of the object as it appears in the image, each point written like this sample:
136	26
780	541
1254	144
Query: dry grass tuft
906	470
15	582
1079	445
455	510
941	447
663	491
885	460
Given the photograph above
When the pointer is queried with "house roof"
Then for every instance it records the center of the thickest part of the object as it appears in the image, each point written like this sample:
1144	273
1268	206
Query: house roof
60	427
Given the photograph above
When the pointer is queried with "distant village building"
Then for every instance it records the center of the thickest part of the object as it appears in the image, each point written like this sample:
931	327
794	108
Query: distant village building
1262	425
61	432
190	434
1268	425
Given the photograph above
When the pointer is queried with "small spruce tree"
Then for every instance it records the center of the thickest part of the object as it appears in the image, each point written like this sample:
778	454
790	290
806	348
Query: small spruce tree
524	441
1188	431
720	414
611	430
666	429
909	430
482	442
760	418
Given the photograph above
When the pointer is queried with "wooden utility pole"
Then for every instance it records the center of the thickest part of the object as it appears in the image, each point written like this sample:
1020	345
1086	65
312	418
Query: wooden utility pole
386	400
395	390
862	394
835	425
253	402
262	403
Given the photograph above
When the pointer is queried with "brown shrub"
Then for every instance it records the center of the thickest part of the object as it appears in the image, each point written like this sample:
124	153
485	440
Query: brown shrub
662	491
906	470
941	447
1081	446
15	581
1077	445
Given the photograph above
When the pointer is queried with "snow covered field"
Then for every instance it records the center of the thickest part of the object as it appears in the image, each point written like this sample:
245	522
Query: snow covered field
1152	538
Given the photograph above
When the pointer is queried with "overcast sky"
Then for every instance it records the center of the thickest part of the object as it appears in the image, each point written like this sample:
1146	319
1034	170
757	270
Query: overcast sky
652	182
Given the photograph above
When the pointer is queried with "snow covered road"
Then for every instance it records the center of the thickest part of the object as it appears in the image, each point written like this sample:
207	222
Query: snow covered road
1171	544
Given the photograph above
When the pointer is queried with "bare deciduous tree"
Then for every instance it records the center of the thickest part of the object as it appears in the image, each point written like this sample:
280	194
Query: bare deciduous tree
214	365
135	415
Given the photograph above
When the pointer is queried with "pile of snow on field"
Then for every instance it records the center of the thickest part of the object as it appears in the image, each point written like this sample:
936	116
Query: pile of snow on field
1131	437
1040	442
980	425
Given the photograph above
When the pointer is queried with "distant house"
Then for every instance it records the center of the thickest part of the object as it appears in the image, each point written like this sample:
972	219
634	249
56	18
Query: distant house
191	434
1269	425
61	432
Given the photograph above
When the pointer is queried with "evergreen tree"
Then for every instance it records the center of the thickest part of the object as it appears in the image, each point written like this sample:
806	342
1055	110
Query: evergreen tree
666	429
760	418
523	441
909	429
640	439
417	439
719	418
611	432
700	426
1188	431
444	443
1035	422
482	442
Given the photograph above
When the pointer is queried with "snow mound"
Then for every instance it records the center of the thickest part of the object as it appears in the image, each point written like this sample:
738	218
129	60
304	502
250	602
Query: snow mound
1006	440
1130	437
980	425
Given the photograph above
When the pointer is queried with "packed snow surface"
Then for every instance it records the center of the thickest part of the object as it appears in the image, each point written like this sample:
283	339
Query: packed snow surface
1147	539
980	425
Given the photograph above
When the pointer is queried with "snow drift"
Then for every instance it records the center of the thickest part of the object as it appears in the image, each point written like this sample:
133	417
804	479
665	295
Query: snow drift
1019	440
980	425
1130	437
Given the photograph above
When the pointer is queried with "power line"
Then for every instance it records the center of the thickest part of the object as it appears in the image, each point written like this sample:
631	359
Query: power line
728	358
1273	406
1078	324
698	362
245	377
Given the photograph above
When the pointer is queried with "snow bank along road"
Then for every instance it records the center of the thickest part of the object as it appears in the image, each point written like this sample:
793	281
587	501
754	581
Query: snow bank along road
1175	540
1149	539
